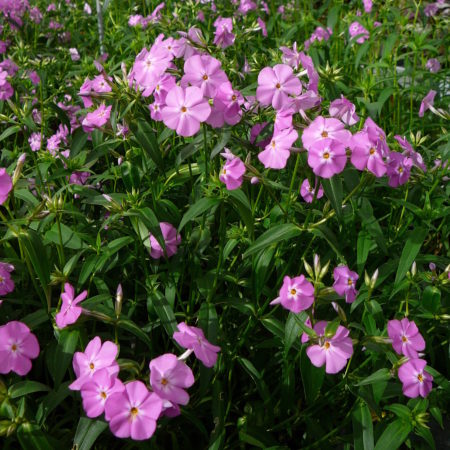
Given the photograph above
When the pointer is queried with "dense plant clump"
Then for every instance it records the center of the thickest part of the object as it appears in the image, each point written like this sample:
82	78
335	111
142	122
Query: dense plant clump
224	224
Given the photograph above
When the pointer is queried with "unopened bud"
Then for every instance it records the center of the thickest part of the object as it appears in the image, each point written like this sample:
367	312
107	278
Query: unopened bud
123	67
414	269
119	298
324	270
308	269
254	180
18	170
366	279
317	265
432	266
374	279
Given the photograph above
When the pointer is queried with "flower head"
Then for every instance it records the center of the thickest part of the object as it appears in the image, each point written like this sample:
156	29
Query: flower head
406	338
277	151
296	294
70	311
307	191
5	185
345	283
171	240
345	110
365	154
323	128
327	157
416	380
232	173
427	101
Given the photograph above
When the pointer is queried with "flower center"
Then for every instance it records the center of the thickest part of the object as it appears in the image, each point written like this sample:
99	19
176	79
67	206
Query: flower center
183	109
326	155
1	279
349	281
278	85
273	143
224	171
14	348
326	345
157	87
103	395
133	412
324	134
205	77
91	366
400	169
233	97
164	381
372	151
420	378
293	291
404	339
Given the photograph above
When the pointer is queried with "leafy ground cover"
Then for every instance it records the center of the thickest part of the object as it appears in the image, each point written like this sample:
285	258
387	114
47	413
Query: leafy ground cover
224	224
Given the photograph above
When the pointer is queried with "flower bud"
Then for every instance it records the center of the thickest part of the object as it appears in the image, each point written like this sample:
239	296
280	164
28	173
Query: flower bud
374	278
414	269
308	269
317	265
324	270
18	170
432	266
119	298
254	180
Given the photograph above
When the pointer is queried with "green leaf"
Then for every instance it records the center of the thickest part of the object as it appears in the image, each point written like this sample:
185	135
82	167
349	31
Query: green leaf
291	332
164	311
431	299
146	137
31	437
224	138
363	245
394	435
130	326
26	387
256	377
88	431
409	253
130	176
389	45
9	131
51	401
363	49
362	427
240	201
274	235
426	434
401	411
312	377
334	192
380	375
69	237
198	208
371	224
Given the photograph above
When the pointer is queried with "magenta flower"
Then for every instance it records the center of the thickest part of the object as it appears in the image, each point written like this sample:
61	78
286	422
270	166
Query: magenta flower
376	136
96	356
6	91
327	157
205	73
277	151
18	346
291	57
356	29
5	185
232	173
223	36
35	141
433	65
194	339
169	377
406	338
398	169
34	77
97	118
133	412
366	155
322	128
416	381
367	5
345	282
411	153
70	311
296	294
345	110
80	178
6	282
226	106
307	191
100	85
185	109
333	352
262	26
427	101
276	85
74	55
171	240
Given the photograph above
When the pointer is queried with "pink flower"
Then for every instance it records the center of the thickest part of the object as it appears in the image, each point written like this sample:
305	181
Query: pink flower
367	5
35	141
74	55
344	110
398	169
79	178
411	153
433	65
96	356
97	118
205	73
327	157
232	173
296	294
69	312
226	106
345	282
262	26
133	412
307	191
223	36
5	185
416	381
406	338
193	338
96	391
427	101
18	346
366	155
276	153
322	128
34	77
276	84
333	352
6	91
171	240
291	57
185	109
169	377
356	29
6	282
376	136
100	85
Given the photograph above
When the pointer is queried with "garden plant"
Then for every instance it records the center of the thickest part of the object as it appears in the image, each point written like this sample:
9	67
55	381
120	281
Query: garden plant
224	224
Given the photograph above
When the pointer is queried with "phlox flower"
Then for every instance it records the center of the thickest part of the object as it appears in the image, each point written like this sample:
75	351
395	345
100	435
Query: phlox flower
398	169
97	390
291	57
226	106
276	152
134	20
431	9
366	155
53	143
232	173
70	311
367	5
327	157
5	185
204	72
313	75
171	240
95	357
433	65
163	84
406	338
276	84
6	282
6	91
283	119
35	141
319	34
18	346
223	36
296	294
307	191
193	338
345	110
345	283
79	178
133	412
100	85
246	5
185	109
169	377
333	352
74	55
262	26
84	93
97	118
34	77
411	153
377	136
322	128
356	29
416	380
427	101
